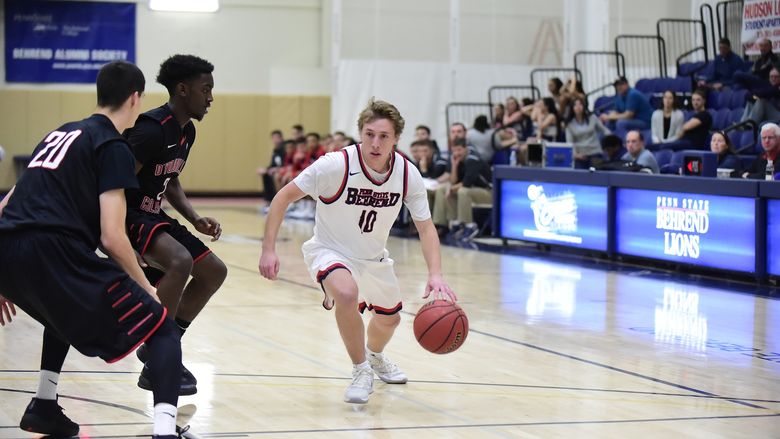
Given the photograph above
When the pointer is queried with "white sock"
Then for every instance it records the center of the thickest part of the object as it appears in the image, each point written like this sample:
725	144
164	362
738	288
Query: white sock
164	419
362	365
371	353
47	385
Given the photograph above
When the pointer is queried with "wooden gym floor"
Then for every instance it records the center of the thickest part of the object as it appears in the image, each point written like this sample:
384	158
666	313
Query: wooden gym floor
556	350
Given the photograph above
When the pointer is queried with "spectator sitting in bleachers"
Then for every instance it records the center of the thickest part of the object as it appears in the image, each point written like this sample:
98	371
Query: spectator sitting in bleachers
570	91
612	146
695	131
277	161
515	118
284	175
422	132
724	66
432	168
469	182
632	109
315	149
498	115
480	138
721	145
339	141
635	144
766	105
296	132
582	132
667	122
770	141
554	86
758	77
544	117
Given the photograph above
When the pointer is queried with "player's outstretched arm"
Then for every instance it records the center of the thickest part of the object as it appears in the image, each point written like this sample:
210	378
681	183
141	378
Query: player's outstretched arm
429	240
175	195
114	240
269	262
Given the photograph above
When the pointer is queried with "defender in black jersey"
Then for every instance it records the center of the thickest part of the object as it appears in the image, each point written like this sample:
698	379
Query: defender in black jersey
70	200
161	142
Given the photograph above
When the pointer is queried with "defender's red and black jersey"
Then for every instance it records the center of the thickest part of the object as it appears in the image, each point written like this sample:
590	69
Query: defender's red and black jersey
68	171
162	146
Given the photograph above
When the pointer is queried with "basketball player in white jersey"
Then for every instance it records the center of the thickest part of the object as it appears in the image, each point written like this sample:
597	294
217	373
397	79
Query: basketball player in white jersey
359	191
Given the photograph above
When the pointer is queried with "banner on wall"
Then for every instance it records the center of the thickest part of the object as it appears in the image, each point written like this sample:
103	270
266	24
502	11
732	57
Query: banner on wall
760	19
65	41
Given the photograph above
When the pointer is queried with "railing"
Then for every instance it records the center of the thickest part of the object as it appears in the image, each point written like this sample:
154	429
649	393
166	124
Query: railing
707	17
684	38
540	76
645	55
499	93
599	71
466	112
729	19
750	124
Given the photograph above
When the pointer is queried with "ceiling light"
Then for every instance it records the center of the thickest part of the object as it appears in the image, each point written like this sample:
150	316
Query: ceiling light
184	5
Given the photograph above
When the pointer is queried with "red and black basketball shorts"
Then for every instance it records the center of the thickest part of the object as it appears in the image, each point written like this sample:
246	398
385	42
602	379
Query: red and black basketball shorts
86	300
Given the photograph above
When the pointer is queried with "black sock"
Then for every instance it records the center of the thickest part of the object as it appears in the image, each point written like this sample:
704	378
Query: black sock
165	363
183	325
53	352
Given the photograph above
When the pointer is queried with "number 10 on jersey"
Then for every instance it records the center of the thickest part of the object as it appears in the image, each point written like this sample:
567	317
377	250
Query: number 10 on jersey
367	220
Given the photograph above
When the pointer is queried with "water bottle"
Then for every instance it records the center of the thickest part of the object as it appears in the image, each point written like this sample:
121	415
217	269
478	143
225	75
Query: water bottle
513	158
770	170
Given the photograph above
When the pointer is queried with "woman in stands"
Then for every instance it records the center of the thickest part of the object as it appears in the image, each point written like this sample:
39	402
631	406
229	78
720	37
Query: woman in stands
582	131
667	122
498	115
727	157
544	116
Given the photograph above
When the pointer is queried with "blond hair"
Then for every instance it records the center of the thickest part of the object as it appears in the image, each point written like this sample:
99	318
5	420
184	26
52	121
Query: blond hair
377	109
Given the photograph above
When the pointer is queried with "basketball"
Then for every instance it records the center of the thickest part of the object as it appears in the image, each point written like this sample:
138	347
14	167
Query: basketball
441	326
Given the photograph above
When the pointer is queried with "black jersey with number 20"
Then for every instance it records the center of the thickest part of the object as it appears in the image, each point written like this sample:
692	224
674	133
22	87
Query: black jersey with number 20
68	170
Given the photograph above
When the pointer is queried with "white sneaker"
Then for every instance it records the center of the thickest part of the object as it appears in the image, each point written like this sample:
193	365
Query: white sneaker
362	385
385	369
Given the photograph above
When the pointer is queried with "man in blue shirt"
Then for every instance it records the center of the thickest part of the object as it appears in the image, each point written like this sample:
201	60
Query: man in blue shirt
725	65
632	109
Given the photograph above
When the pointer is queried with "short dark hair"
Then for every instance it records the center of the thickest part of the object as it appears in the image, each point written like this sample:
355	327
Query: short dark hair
611	141
423	142
459	124
481	123
298	127
117	81
313	134
277	133
701	91
423	127
725	41
621	80
182	68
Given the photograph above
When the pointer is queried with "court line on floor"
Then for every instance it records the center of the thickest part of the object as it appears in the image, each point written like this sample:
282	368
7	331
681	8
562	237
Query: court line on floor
465	426
453	383
560	354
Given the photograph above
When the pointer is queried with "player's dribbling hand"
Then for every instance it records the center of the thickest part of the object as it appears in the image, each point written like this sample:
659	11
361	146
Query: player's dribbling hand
208	226
7	310
439	288
269	265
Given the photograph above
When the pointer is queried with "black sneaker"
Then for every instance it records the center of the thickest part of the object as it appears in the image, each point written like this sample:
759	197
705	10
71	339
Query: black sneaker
45	416
181	432
187	386
143	354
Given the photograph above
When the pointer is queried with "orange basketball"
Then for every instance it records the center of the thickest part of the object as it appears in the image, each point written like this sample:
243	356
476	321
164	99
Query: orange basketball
441	326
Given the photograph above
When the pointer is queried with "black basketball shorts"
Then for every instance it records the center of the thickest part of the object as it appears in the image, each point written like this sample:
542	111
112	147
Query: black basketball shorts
143	228
85	299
